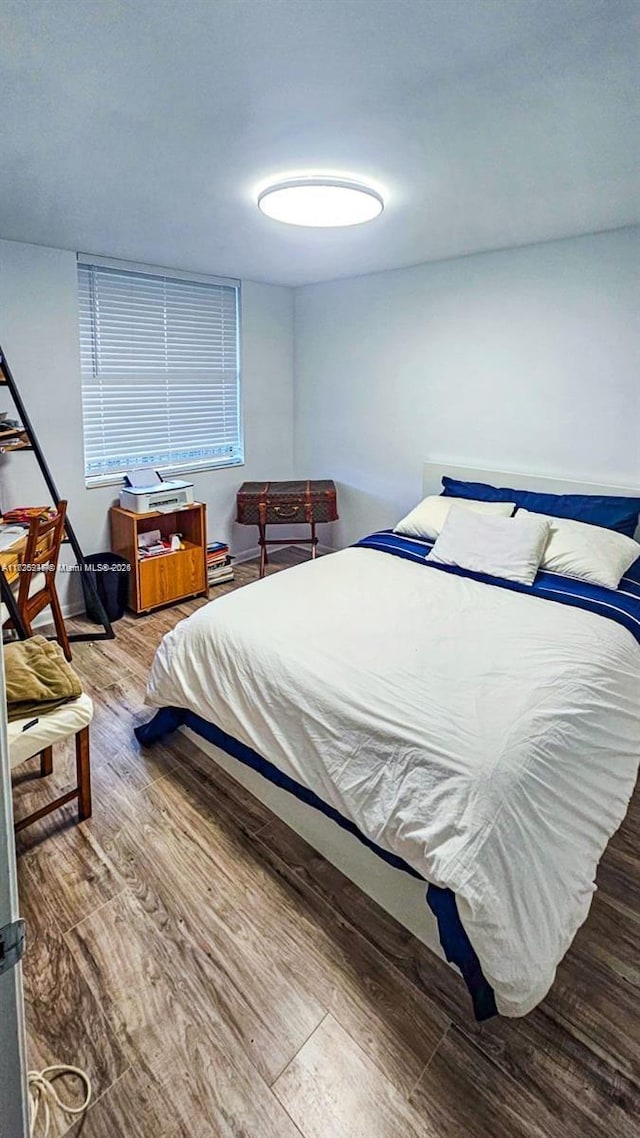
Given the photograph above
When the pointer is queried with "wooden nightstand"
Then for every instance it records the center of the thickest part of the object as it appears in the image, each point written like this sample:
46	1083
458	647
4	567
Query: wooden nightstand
168	577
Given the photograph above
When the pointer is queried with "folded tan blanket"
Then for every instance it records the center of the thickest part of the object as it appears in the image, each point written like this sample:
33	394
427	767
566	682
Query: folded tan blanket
38	679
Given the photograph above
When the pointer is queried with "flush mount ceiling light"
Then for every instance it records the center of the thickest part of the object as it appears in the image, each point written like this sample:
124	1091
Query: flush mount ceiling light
320	202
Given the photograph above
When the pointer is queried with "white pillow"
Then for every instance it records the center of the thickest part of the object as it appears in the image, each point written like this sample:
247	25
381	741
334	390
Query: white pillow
587	552
501	547
429	516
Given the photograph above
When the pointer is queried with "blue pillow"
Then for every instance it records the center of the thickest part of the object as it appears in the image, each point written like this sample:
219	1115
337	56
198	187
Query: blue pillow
633	573
620	514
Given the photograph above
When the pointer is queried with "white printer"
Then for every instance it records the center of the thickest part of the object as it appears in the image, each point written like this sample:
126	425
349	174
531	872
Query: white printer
145	491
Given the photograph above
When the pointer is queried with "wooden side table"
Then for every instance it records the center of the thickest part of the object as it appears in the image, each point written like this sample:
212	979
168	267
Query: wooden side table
168	577
281	503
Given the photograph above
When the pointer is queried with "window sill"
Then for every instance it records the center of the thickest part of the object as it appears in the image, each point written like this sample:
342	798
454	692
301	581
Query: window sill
167	473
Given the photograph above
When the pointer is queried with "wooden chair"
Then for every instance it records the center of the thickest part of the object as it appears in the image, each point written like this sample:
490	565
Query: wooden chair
38	735
36	585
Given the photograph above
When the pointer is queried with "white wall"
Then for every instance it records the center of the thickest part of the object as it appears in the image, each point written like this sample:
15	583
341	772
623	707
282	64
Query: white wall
39	333
525	360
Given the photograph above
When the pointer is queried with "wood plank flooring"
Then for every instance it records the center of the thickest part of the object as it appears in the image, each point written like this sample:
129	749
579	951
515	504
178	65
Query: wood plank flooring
219	979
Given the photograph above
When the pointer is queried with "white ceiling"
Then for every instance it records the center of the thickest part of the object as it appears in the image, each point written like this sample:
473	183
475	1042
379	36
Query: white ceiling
141	128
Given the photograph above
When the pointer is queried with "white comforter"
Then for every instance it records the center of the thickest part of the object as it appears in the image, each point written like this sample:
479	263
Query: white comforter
488	738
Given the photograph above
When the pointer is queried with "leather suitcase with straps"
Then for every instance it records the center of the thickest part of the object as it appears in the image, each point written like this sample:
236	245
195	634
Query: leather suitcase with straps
311	502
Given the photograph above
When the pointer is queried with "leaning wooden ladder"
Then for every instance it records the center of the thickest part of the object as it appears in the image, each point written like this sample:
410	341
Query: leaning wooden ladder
25	439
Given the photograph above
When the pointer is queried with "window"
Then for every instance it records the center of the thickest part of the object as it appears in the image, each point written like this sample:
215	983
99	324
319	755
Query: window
160	371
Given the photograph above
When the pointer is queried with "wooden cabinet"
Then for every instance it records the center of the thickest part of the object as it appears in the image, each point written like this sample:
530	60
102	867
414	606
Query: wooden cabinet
169	577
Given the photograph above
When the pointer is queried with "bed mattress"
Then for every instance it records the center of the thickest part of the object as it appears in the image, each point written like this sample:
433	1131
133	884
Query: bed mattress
488	738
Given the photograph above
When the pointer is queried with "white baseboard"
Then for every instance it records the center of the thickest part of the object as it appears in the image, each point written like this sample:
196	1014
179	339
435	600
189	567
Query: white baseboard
76	609
249	554
44	621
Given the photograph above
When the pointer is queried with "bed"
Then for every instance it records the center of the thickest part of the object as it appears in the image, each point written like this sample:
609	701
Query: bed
429	730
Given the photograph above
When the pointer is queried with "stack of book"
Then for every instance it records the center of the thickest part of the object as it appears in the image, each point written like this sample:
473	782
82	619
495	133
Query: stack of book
152	544
219	567
12	433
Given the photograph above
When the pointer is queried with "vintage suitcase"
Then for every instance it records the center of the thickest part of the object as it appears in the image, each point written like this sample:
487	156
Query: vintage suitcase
272	503
286	503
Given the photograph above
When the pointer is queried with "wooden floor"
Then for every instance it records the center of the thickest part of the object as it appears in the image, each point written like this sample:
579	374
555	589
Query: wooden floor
218	979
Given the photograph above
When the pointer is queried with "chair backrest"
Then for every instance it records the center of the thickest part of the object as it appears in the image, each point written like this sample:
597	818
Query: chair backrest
42	550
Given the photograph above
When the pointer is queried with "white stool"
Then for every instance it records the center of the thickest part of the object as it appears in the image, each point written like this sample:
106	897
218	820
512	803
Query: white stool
72	718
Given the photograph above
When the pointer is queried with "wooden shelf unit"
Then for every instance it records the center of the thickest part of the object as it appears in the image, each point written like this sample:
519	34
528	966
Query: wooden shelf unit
168	577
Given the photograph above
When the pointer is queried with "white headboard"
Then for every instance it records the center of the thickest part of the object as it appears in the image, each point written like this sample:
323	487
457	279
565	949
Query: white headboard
433	472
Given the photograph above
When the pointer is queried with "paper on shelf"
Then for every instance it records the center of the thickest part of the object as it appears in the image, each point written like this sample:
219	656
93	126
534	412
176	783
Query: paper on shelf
142	478
146	540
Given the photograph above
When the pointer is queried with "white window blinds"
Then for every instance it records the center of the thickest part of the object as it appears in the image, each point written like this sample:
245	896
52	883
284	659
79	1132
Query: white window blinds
160	371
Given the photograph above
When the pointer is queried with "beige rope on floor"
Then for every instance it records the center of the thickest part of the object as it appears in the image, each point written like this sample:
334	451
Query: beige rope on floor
43	1093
